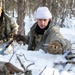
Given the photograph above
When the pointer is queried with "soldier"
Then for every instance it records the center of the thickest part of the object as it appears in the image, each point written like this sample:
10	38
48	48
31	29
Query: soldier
8	28
44	35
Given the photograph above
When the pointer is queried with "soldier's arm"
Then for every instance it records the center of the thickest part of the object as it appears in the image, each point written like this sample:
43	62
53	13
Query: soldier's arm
14	26
23	38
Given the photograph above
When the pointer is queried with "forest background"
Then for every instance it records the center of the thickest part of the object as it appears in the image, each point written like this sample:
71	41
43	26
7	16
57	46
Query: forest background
22	11
60	9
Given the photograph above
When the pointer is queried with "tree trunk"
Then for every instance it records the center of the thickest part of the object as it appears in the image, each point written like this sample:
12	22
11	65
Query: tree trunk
21	16
44	2
3	4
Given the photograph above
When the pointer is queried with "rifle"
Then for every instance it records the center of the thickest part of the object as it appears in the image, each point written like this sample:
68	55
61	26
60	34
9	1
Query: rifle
64	63
70	56
61	62
2	51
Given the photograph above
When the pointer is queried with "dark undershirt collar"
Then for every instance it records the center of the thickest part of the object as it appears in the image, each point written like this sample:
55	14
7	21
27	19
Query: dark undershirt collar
40	31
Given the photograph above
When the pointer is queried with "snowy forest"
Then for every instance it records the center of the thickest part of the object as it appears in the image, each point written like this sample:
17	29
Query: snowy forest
24	62
60	9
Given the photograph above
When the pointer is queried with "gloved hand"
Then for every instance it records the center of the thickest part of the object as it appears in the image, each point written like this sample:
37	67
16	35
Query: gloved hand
11	35
55	47
19	38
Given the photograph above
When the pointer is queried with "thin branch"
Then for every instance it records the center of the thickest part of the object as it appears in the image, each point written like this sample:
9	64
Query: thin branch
43	70
21	63
26	71
12	56
29	65
70	67
53	72
26	59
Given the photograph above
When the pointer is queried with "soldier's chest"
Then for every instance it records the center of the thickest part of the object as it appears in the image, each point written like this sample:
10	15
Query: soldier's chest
38	38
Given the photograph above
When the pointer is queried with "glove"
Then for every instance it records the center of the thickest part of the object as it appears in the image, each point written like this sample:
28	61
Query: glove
19	38
55	47
11	35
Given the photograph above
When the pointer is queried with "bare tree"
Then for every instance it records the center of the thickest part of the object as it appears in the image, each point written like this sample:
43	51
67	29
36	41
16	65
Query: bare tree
21	16
59	9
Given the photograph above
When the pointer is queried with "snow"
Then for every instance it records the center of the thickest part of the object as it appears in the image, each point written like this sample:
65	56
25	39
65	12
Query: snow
40	60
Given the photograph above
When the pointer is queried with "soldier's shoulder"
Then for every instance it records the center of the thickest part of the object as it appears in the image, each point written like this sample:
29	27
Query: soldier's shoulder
34	25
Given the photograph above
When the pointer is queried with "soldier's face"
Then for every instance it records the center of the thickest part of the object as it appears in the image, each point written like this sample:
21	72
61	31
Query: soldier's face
42	23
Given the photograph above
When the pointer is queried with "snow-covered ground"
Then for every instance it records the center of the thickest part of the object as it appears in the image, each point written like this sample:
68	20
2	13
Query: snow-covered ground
42	61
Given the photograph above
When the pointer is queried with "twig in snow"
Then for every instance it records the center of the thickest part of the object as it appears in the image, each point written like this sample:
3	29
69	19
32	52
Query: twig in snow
70	68
26	59
20	63
53	72
43	70
12	56
30	65
26	71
